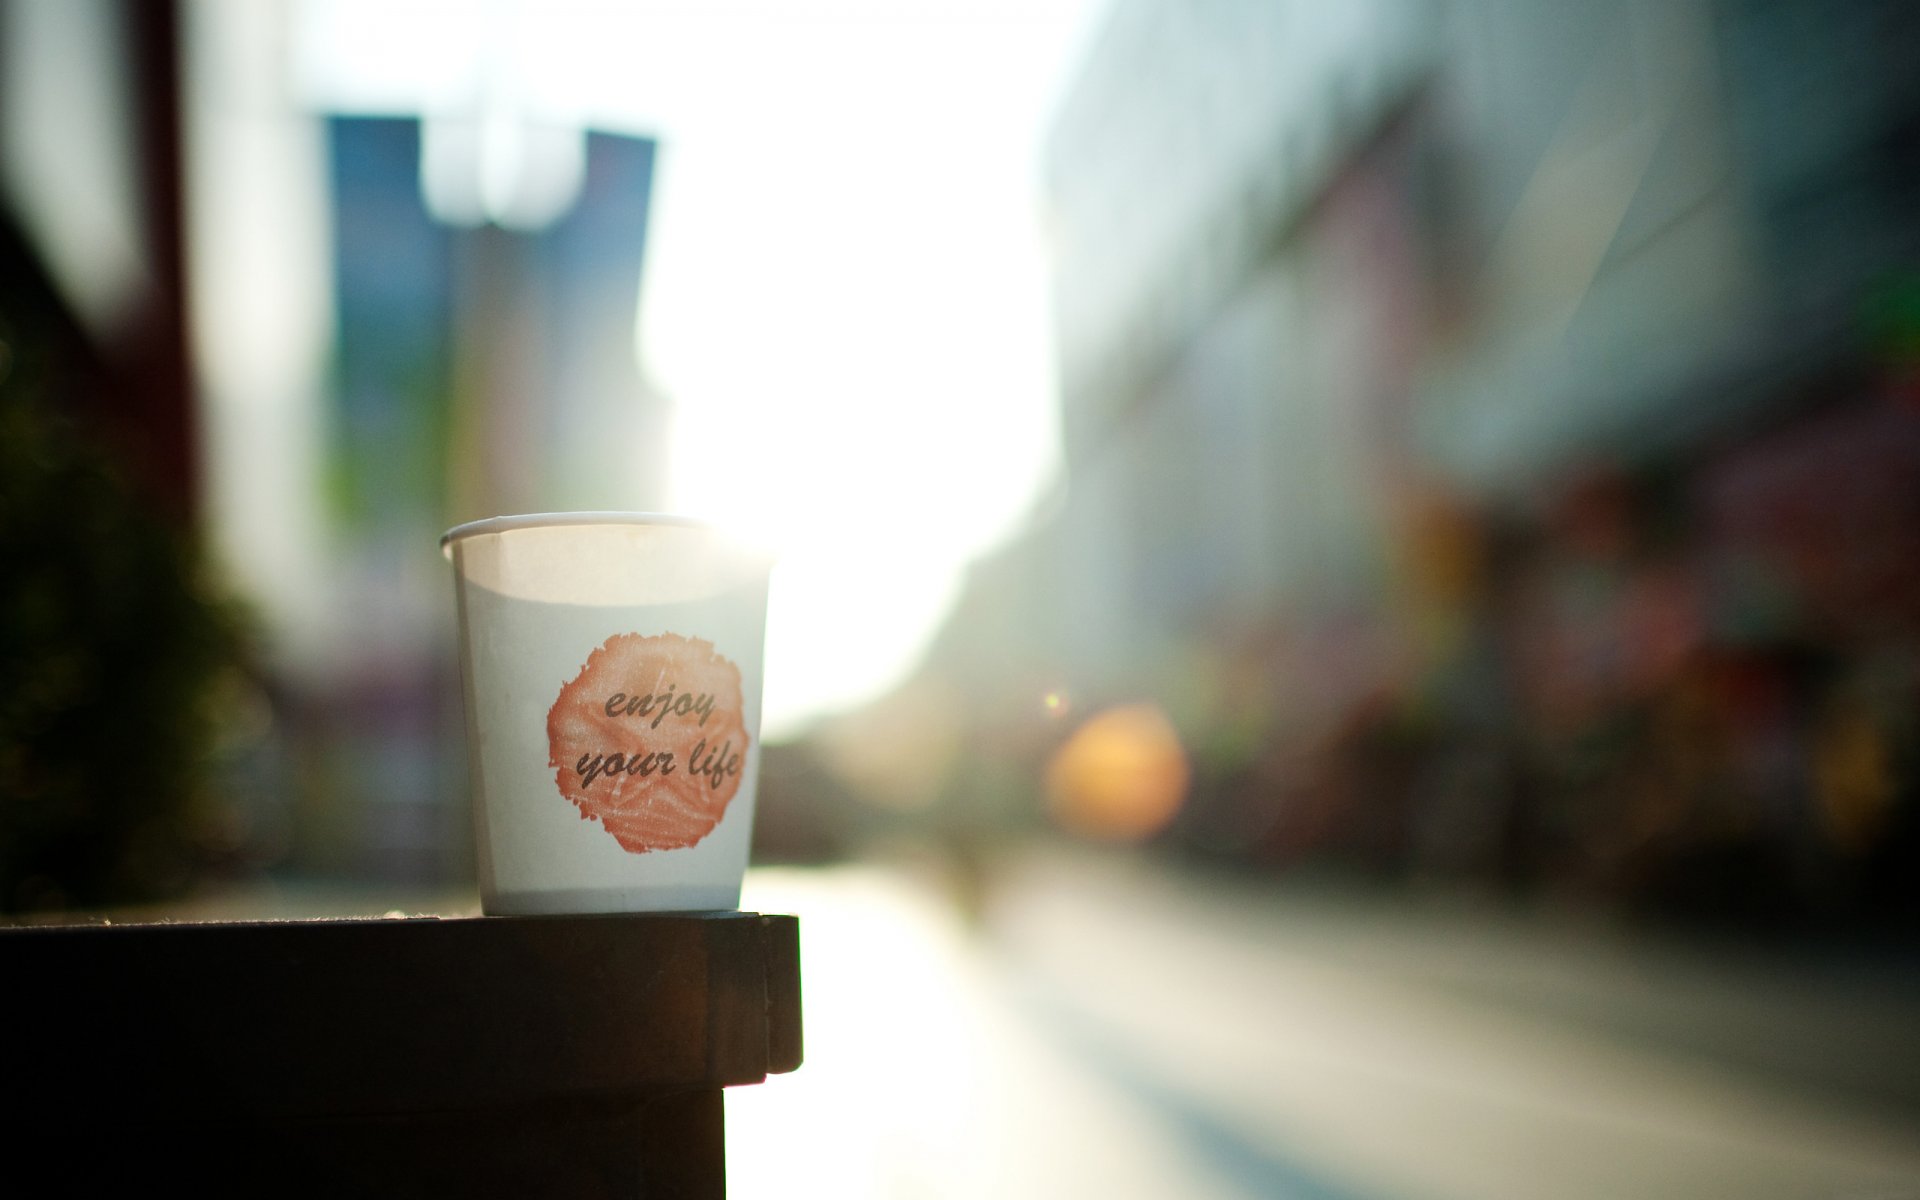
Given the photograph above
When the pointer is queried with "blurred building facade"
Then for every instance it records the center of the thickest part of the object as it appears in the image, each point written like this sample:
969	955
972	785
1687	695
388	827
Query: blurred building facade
306	341
478	370
1490	436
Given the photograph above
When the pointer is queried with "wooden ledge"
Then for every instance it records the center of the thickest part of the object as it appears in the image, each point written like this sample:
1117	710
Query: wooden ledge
391	1017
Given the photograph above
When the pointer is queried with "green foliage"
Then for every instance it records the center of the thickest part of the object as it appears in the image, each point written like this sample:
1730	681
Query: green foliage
110	652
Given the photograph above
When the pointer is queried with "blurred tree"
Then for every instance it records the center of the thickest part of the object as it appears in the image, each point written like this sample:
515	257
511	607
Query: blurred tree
111	648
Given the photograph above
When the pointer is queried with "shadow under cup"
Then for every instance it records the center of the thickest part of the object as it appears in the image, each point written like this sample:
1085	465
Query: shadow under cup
611	665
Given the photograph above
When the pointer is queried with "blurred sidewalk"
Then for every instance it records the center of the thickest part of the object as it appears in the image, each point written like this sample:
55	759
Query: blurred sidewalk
1122	1028
1115	1027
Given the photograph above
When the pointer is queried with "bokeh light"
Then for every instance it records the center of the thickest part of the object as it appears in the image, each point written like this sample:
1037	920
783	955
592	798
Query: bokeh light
1121	776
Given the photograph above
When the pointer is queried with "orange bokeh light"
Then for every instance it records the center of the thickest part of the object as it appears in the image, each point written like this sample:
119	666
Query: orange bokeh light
1122	776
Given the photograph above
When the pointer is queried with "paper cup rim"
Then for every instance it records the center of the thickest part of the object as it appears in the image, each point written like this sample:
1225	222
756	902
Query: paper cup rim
488	525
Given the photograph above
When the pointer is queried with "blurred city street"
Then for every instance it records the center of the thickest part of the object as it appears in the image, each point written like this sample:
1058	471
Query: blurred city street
1268	502
1116	1027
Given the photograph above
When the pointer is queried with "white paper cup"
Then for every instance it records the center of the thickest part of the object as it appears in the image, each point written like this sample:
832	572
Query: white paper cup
611	664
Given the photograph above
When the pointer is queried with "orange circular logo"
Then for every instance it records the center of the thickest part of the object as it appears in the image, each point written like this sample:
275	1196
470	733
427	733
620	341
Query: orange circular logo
650	739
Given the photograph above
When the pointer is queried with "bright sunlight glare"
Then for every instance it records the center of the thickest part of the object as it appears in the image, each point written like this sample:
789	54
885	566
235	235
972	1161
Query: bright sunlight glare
844	297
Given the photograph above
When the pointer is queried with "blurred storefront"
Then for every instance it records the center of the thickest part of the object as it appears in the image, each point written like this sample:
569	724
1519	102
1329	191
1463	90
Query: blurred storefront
1490	442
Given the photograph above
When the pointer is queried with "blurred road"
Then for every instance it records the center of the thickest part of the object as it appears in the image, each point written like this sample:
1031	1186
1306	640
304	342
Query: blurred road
1117	1028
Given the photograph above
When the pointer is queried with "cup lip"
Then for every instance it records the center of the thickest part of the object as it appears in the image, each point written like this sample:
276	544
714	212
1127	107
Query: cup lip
547	520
